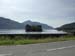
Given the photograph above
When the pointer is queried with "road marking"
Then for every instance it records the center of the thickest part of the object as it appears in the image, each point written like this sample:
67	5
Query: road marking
5	54
60	48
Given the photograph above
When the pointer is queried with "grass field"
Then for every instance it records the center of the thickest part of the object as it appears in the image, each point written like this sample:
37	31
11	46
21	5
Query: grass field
19	40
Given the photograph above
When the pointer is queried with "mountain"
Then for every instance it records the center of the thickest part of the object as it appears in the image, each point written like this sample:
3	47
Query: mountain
68	27
6	23
44	26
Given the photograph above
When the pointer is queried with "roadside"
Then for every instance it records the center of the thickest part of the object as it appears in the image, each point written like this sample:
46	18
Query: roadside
23	41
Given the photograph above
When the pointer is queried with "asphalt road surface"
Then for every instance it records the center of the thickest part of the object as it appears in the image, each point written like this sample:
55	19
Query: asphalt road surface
66	48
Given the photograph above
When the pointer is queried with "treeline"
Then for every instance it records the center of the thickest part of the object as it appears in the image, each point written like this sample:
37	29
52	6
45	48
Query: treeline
33	28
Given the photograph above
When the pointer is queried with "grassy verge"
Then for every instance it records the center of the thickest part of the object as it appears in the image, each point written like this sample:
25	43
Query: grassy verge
20	41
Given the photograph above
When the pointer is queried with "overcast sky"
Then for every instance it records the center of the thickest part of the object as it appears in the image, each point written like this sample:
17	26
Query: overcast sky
52	12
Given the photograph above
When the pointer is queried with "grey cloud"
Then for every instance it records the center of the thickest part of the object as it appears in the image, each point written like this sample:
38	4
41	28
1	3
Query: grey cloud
49	9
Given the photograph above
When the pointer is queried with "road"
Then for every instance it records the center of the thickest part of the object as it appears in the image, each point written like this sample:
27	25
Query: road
66	48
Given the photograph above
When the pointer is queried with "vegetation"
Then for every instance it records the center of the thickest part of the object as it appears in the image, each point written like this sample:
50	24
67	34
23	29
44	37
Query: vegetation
33	28
20	40
68	28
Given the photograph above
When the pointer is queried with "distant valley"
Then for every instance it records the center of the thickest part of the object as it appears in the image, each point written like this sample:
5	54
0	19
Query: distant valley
6	23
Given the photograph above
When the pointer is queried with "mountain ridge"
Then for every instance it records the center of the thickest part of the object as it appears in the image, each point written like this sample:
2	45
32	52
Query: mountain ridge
67	27
45	26
6	23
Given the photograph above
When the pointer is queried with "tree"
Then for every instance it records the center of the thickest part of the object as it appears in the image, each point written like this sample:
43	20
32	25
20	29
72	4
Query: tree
28	28
33	28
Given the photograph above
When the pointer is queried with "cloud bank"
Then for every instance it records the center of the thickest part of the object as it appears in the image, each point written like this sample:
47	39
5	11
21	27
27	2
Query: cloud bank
51	12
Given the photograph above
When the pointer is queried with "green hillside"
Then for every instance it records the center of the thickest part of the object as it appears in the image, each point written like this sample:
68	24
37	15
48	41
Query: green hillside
68	27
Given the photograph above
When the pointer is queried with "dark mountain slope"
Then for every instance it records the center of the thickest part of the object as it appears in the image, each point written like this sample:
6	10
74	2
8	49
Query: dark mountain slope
68	27
9	24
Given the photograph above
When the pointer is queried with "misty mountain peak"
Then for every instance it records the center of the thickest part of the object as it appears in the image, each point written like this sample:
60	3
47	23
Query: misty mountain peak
44	26
28	21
